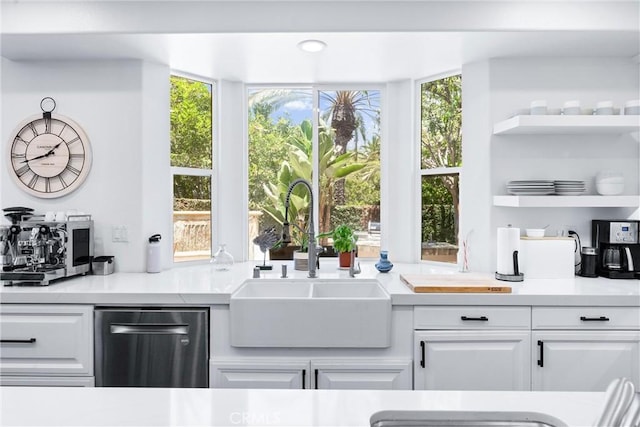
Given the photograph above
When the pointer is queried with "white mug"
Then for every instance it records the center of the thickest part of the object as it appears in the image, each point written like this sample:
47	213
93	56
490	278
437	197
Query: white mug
60	216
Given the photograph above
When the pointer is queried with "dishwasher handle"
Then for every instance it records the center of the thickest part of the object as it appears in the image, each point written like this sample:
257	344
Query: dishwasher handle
149	328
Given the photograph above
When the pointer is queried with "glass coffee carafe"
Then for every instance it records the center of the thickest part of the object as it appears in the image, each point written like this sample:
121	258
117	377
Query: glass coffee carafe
611	258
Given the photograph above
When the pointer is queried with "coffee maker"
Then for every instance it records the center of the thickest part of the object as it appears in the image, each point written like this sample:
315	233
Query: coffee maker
618	245
34	251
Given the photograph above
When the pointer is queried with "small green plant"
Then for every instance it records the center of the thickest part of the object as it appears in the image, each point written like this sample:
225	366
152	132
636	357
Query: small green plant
344	239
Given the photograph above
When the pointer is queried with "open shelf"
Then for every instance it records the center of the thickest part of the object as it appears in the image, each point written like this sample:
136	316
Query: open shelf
567	201
565	125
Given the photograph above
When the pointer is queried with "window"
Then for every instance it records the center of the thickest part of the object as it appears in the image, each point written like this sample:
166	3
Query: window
191	167
337	150
441	161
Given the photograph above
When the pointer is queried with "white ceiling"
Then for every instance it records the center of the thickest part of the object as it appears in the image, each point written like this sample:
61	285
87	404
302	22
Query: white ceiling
349	57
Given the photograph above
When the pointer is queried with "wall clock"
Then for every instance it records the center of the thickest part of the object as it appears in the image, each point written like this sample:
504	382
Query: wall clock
49	154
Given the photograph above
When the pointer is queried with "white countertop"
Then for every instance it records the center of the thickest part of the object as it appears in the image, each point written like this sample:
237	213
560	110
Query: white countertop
25	406
201	285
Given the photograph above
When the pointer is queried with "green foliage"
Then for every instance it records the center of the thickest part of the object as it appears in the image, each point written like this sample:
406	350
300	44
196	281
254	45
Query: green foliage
438	224
344	239
191	113
441	141
356	217
299	164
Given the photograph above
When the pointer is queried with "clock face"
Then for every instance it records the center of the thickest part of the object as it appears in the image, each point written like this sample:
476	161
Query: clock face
49	157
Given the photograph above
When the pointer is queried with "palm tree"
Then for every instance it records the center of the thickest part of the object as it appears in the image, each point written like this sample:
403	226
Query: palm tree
346	115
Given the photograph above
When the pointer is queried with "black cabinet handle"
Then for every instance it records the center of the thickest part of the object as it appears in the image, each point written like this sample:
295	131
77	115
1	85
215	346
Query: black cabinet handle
481	318
315	375
422	352
594	319
541	358
27	341
304	374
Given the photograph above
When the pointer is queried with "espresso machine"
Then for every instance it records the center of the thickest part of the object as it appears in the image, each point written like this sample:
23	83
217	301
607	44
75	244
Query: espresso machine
618	248
34	251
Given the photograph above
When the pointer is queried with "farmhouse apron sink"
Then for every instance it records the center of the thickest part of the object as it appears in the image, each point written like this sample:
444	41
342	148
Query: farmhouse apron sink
308	313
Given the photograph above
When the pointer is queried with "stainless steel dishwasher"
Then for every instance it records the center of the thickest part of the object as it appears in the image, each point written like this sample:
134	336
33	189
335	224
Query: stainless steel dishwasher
151	347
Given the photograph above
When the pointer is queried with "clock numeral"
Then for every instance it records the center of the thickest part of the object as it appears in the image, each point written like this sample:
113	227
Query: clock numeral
34	181
47	185
62	130
18	155
33	129
74	140
76	156
24	169
72	170
19	139
62	182
47	125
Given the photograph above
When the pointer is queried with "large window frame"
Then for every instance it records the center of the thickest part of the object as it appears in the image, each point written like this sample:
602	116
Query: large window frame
201	172
316	89
422	172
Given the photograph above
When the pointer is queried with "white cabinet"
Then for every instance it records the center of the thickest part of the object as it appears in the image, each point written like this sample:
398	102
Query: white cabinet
472	360
8	381
46	341
472	348
259	373
584	348
351	373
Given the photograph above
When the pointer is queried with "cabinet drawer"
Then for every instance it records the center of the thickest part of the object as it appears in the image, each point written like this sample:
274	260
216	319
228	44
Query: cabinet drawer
471	317
46	340
586	318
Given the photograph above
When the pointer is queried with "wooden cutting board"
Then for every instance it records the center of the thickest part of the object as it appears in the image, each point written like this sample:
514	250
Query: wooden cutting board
453	283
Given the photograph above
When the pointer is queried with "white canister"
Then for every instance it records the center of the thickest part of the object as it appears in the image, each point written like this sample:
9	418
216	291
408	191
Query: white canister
508	241
154	254
571	108
632	107
538	107
604	108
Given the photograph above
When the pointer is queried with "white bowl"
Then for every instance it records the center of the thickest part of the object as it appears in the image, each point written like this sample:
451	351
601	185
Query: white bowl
609	189
535	232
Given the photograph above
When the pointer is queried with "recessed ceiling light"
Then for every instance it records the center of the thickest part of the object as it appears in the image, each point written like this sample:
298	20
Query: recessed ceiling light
312	45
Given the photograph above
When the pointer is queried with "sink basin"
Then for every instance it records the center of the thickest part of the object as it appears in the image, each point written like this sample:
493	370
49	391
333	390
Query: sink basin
316	313
463	419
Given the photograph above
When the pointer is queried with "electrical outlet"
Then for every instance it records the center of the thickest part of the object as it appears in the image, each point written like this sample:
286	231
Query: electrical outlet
119	233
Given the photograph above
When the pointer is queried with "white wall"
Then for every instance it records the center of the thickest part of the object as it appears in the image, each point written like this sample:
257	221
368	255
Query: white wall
123	108
399	175
493	90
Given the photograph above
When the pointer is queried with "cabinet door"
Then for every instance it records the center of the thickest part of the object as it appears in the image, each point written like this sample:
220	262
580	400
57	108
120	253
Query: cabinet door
47	381
584	360
46	340
472	360
259	373
361	374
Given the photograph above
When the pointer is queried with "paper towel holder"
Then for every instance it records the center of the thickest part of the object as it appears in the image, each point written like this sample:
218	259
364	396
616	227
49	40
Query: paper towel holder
516	276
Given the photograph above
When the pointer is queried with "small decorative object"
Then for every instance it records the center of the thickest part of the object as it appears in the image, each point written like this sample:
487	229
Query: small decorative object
222	260
344	241
49	154
384	265
266	240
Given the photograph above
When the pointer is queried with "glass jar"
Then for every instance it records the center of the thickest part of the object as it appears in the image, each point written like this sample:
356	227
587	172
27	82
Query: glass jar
222	260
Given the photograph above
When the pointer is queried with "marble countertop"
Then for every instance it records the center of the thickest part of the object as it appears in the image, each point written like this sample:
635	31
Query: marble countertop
202	285
27	406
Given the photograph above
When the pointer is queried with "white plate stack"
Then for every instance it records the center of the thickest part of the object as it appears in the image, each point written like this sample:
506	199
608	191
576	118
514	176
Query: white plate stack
569	188
534	187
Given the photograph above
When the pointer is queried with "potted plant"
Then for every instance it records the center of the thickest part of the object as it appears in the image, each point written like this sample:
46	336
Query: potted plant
344	241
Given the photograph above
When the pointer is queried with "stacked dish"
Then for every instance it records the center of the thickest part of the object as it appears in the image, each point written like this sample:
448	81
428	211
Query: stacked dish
531	187
569	188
